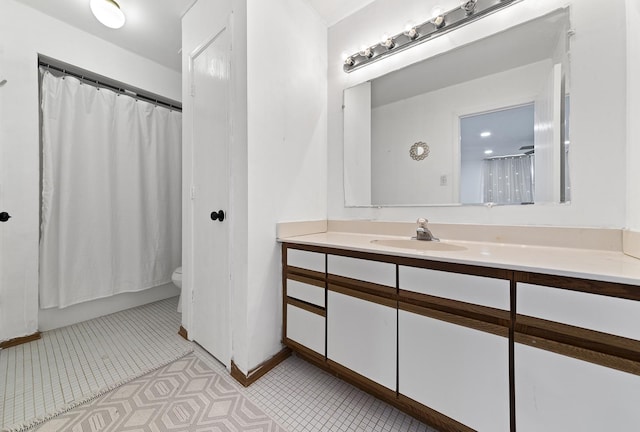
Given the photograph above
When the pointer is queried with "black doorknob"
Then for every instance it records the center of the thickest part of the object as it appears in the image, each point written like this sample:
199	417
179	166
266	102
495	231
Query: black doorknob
219	215
4	216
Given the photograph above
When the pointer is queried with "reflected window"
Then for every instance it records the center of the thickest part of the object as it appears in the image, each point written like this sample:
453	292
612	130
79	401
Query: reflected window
498	156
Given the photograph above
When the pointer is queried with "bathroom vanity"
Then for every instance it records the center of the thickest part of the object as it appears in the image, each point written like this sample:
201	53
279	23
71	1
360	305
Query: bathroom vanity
481	337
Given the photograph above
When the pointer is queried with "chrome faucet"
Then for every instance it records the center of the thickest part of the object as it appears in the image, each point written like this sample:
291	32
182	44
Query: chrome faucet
422	232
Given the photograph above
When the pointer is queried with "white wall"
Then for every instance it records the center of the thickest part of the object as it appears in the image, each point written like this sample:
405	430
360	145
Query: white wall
598	122
434	118
633	113
278	153
24	33
287	135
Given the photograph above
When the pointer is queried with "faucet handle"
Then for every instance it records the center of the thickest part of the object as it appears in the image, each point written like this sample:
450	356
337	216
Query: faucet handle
422	222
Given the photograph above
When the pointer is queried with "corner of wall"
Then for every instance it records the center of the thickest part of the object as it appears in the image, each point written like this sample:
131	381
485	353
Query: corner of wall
631	243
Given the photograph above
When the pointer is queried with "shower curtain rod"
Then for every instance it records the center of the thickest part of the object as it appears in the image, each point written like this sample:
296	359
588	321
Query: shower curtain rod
88	78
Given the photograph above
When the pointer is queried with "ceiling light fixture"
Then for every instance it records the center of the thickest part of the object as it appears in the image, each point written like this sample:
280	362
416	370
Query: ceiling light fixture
485	134
488	152
108	12
439	23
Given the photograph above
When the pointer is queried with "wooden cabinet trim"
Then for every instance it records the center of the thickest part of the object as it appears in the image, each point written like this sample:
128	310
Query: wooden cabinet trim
366	287
431	417
313	277
307	280
304	351
307	306
591	340
475	312
469	269
362	382
610	289
448	267
284	291
601	359
309	248
364	295
464	321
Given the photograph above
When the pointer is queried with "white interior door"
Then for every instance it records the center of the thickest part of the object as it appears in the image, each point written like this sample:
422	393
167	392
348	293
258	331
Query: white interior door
211	135
5	320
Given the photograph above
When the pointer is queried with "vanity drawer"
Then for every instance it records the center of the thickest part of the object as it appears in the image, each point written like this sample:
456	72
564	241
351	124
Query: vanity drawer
480	290
380	273
307	290
306	328
601	313
306	260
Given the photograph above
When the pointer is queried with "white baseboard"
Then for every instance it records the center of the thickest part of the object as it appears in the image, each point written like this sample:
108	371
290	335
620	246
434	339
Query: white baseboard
49	319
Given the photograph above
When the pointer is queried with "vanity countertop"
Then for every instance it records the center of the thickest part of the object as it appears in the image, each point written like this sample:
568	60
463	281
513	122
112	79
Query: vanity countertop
602	265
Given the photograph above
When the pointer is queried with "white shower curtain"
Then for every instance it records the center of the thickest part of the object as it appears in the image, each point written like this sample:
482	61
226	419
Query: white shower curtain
508	180
111	194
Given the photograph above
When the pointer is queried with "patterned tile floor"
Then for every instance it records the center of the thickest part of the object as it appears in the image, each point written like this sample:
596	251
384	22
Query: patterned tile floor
75	361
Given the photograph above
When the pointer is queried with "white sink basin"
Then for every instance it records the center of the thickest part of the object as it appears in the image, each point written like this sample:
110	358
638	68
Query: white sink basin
419	245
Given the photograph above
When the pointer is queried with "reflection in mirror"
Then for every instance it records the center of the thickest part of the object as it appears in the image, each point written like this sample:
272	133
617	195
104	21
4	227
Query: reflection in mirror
497	156
521	70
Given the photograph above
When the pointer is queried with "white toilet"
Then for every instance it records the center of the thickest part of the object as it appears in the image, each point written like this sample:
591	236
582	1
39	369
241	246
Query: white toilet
176	277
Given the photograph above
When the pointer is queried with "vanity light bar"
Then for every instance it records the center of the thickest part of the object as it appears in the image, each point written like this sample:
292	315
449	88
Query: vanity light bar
469	11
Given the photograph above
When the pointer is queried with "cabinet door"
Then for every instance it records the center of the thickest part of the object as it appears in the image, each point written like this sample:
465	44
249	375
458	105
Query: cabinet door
361	336
460	372
306	260
556	393
478	290
306	328
601	313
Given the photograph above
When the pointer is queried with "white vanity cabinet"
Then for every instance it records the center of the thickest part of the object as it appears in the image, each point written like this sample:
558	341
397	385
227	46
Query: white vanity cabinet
304	298
467	348
362	319
449	362
577	358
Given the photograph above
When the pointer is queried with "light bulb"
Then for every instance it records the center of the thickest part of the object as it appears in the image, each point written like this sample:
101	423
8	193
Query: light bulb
437	16
408	26
108	12
387	41
468	6
411	31
366	51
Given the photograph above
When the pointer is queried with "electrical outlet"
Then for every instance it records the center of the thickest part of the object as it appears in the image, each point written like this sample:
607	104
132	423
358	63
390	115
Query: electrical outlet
443	180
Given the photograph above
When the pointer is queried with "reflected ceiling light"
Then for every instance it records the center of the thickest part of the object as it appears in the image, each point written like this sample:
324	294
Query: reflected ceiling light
488	152
485	134
108	12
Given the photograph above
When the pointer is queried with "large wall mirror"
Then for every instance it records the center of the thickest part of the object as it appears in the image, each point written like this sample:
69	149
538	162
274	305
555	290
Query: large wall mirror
490	120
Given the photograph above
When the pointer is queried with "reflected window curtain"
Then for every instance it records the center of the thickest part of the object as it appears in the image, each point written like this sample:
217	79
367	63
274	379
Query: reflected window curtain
111	193
508	180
